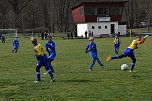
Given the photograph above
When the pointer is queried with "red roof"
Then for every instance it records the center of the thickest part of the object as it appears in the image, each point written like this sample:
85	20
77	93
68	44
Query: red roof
98	3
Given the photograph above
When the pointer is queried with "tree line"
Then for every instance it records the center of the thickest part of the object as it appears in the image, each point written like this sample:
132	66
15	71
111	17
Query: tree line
55	15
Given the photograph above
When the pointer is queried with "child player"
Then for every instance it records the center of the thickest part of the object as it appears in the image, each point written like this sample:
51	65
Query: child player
91	47
42	60
116	44
130	51
3	38
15	45
50	48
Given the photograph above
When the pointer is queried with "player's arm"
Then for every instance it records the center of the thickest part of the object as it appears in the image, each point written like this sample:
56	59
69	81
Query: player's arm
119	41
38	56
13	43
50	48
18	43
90	49
87	48
143	39
46	47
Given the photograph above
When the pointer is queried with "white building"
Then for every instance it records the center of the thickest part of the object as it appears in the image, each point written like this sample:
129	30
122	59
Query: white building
101	18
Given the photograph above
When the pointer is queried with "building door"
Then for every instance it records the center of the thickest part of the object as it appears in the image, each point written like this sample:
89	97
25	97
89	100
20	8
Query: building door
112	29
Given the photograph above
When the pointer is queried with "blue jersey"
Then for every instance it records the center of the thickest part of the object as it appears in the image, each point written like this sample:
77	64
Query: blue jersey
16	43
93	49
50	48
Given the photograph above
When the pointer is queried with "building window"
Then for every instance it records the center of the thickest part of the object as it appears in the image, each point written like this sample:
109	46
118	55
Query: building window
120	10
103	11
106	27
81	11
93	27
99	27
113	11
90	11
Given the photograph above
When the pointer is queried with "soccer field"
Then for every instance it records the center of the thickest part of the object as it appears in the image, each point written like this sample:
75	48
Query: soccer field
74	81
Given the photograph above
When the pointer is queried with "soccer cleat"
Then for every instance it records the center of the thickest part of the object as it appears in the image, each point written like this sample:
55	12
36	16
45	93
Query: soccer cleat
108	58
52	80
45	73
130	71
36	81
90	69
102	66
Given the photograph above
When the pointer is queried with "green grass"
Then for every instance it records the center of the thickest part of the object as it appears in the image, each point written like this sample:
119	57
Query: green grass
74	81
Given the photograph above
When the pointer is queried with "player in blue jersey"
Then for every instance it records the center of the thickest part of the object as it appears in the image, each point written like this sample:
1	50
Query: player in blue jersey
91	47
116	44
15	45
50	48
3	38
42	60
130	51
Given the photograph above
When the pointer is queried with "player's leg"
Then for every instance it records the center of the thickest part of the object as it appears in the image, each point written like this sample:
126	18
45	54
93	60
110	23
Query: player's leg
51	67
133	63
92	63
116	57
50	59
116	50
124	54
99	62
13	50
47	67
38	66
50	73
16	49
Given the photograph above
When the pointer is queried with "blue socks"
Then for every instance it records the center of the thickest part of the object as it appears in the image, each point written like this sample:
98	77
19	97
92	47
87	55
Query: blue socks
38	76
132	66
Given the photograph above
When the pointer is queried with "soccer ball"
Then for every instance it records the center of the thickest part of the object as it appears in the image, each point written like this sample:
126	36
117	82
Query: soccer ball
124	67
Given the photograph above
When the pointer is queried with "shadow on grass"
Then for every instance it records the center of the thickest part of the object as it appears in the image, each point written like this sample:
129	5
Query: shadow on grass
79	81
134	77
115	69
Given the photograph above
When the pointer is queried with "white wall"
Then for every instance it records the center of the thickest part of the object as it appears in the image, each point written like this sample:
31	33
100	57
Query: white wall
81	28
122	29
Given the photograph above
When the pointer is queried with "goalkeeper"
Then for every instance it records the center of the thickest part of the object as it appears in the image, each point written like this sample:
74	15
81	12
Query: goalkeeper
91	47
130	51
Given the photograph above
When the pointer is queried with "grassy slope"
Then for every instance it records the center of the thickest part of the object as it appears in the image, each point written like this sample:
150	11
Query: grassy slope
74	81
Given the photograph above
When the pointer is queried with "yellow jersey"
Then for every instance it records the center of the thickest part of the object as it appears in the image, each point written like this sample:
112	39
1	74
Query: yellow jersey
134	44
39	50
116	41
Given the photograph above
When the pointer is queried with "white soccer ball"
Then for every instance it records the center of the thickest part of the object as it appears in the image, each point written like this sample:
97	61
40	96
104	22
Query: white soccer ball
124	67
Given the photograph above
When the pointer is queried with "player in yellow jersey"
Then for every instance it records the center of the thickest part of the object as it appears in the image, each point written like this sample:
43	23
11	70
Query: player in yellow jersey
129	51
42	60
116	44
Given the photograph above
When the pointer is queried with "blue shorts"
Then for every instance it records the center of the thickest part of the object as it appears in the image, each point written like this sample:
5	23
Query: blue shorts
93	54
52	56
116	45
43	61
15	46
129	52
